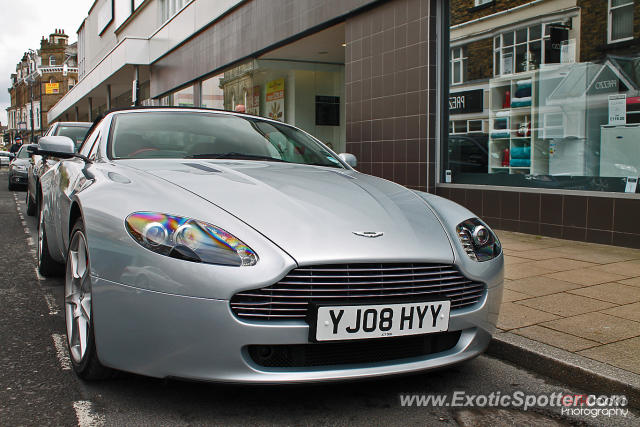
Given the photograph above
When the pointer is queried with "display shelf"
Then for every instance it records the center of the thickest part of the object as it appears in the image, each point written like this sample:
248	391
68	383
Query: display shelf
518	122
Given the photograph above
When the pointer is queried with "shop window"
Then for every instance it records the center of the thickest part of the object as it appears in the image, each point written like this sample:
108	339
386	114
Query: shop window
183	97
551	116
212	96
458	65
620	20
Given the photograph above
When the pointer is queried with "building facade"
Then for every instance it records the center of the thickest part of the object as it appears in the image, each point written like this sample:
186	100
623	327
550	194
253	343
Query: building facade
42	78
510	107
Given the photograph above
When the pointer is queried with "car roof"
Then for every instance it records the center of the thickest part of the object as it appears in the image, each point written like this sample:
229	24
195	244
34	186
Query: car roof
78	124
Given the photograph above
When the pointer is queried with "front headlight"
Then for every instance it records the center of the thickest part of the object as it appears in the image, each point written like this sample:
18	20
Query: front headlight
20	168
478	241
188	239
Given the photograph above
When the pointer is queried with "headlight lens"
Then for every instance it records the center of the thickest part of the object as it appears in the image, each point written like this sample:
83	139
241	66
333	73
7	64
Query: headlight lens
188	239
20	168
478	241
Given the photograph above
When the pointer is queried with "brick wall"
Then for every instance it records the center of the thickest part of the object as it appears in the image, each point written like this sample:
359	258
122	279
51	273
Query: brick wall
593	34
604	220
465	10
390	78
480	59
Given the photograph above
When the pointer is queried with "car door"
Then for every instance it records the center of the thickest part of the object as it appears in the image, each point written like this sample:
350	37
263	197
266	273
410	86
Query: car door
70	177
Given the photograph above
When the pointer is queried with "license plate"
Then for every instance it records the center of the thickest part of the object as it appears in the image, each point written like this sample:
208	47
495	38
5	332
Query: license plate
378	321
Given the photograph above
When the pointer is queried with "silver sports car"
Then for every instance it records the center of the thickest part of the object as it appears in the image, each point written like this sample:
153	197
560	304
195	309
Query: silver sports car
211	245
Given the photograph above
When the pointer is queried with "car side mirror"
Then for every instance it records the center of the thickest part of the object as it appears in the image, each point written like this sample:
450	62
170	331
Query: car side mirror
349	159
56	146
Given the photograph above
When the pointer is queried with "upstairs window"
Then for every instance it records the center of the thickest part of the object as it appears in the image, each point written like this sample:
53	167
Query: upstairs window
168	8
620	20
52	60
458	65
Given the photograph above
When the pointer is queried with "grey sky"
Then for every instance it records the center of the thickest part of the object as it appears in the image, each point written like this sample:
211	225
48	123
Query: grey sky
23	25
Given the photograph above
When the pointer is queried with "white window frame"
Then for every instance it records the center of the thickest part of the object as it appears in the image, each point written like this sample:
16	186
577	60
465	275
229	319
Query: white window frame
610	10
170	8
543	38
482	126
462	60
52	60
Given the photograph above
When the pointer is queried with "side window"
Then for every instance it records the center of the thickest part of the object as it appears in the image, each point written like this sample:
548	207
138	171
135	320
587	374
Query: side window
94	147
88	143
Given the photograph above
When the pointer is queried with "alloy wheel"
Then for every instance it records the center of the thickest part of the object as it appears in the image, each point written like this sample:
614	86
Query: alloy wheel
40	234
77	290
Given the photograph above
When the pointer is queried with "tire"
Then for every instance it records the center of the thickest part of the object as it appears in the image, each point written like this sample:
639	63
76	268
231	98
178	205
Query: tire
31	205
78	309
47	266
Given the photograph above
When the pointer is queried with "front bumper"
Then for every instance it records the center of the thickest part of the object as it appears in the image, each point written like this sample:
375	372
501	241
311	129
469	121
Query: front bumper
165	335
18	178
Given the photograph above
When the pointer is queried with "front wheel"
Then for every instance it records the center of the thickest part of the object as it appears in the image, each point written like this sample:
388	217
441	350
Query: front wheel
47	266
31	204
78	309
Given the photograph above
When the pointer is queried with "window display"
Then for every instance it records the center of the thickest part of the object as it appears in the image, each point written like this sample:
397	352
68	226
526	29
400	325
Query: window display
561	109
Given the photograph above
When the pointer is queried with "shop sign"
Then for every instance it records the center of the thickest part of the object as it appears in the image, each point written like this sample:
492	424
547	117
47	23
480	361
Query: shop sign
275	100
51	88
607	82
618	109
254	101
469	101
568	52
507	64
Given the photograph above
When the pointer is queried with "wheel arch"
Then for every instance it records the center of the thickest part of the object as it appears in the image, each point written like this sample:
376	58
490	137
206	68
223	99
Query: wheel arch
75	212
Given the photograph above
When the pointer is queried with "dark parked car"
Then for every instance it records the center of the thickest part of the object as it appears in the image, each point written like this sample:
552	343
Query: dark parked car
19	167
468	153
39	165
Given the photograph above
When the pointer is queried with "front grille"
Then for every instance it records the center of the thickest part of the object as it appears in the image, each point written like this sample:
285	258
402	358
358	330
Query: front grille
348	283
345	353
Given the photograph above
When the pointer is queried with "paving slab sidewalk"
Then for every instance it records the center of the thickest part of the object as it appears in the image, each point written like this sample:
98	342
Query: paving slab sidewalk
577	299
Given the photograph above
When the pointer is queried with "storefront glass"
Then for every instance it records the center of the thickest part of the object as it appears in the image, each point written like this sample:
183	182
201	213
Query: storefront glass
307	95
212	94
544	96
183	97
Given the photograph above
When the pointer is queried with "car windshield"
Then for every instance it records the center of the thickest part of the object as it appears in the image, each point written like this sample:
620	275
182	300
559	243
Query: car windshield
23	153
203	135
76	133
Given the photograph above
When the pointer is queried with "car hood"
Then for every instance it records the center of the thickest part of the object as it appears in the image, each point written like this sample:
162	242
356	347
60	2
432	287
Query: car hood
313	212
21	162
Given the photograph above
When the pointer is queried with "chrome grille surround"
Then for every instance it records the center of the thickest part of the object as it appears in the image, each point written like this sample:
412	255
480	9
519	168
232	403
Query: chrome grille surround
352	283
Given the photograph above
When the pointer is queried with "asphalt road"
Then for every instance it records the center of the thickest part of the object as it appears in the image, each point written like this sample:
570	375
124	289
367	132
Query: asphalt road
37	386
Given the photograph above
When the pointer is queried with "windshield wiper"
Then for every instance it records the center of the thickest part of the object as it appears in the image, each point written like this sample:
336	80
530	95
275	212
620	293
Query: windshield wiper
233	155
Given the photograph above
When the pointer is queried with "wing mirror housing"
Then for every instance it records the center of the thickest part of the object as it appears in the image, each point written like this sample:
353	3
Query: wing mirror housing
58	146
349	159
